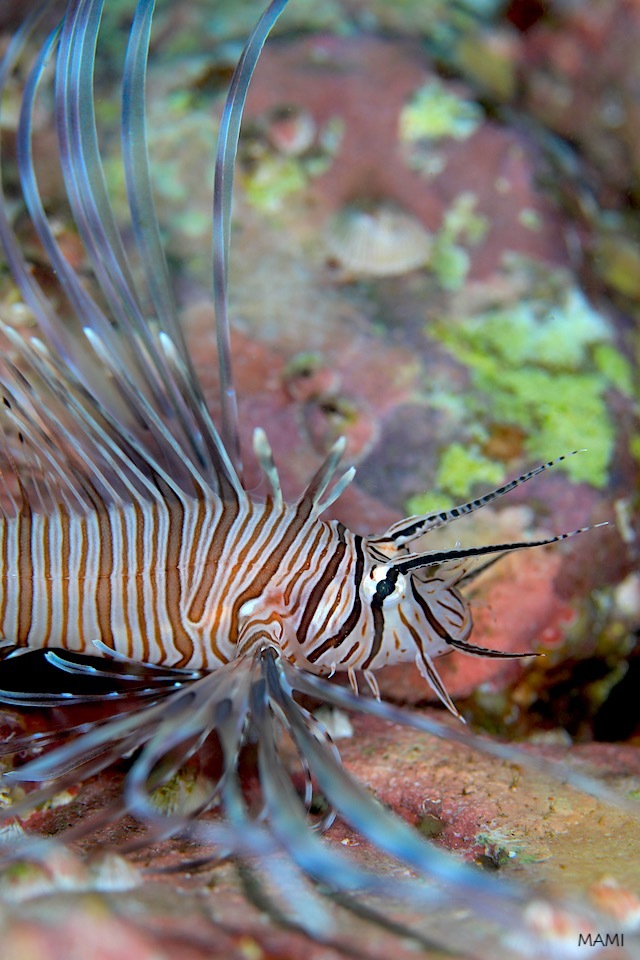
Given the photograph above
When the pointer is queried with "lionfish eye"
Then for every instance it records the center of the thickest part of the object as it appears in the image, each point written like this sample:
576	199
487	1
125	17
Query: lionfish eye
385	583
384	589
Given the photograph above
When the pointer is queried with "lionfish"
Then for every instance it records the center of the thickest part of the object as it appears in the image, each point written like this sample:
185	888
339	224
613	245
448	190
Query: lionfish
134	557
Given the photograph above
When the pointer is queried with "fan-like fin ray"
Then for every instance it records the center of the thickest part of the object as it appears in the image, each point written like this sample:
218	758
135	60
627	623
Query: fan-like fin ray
356	805
144	219
135	348
222	200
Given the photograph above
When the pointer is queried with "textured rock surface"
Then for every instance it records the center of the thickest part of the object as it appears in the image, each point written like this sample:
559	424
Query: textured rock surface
446	379
518	823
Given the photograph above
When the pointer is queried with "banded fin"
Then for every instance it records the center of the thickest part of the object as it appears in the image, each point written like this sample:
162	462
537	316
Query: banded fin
86	456
316	488
433	558
254	700
264	456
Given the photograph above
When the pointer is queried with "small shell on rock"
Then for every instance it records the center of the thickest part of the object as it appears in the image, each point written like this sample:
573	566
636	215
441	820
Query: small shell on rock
291	131
378	241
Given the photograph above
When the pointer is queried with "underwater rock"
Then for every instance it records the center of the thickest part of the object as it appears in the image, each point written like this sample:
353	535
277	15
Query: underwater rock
580	78
507	368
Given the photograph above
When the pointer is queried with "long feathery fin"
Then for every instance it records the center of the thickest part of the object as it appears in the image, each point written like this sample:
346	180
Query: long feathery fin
222	200
404	531
62	661
132	340
144	219
88	195
225	472
80	300
92	448
342	697
337	489
22	274
155	423
80	155
357	806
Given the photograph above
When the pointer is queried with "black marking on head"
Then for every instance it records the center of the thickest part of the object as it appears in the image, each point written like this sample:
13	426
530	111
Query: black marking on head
328	575
352	620
432	620
378	631
385	587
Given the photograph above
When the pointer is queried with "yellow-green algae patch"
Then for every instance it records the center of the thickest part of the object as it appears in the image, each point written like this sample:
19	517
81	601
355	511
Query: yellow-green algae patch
271	178
424	503
459	463
449	260
542	364
435	111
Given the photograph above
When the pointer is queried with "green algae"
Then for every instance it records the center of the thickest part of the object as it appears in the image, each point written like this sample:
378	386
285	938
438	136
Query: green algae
272	181
423	503
449	260
182	792
435	111
530	219
272	178
542	366
502	846
487	63
461	467
614	367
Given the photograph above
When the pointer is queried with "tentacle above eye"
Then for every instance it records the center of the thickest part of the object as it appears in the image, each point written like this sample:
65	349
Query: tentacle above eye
436	557
404	531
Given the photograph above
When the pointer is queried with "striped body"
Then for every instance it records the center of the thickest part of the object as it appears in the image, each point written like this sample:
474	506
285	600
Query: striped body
194	583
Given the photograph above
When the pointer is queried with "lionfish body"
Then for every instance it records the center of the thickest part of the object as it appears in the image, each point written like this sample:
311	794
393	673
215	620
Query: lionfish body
188	581
126	534
194	583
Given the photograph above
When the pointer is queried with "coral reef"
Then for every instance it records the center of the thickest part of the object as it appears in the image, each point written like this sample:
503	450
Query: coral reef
509	338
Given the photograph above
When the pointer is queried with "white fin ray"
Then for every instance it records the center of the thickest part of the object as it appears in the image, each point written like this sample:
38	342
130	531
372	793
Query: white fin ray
132	339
